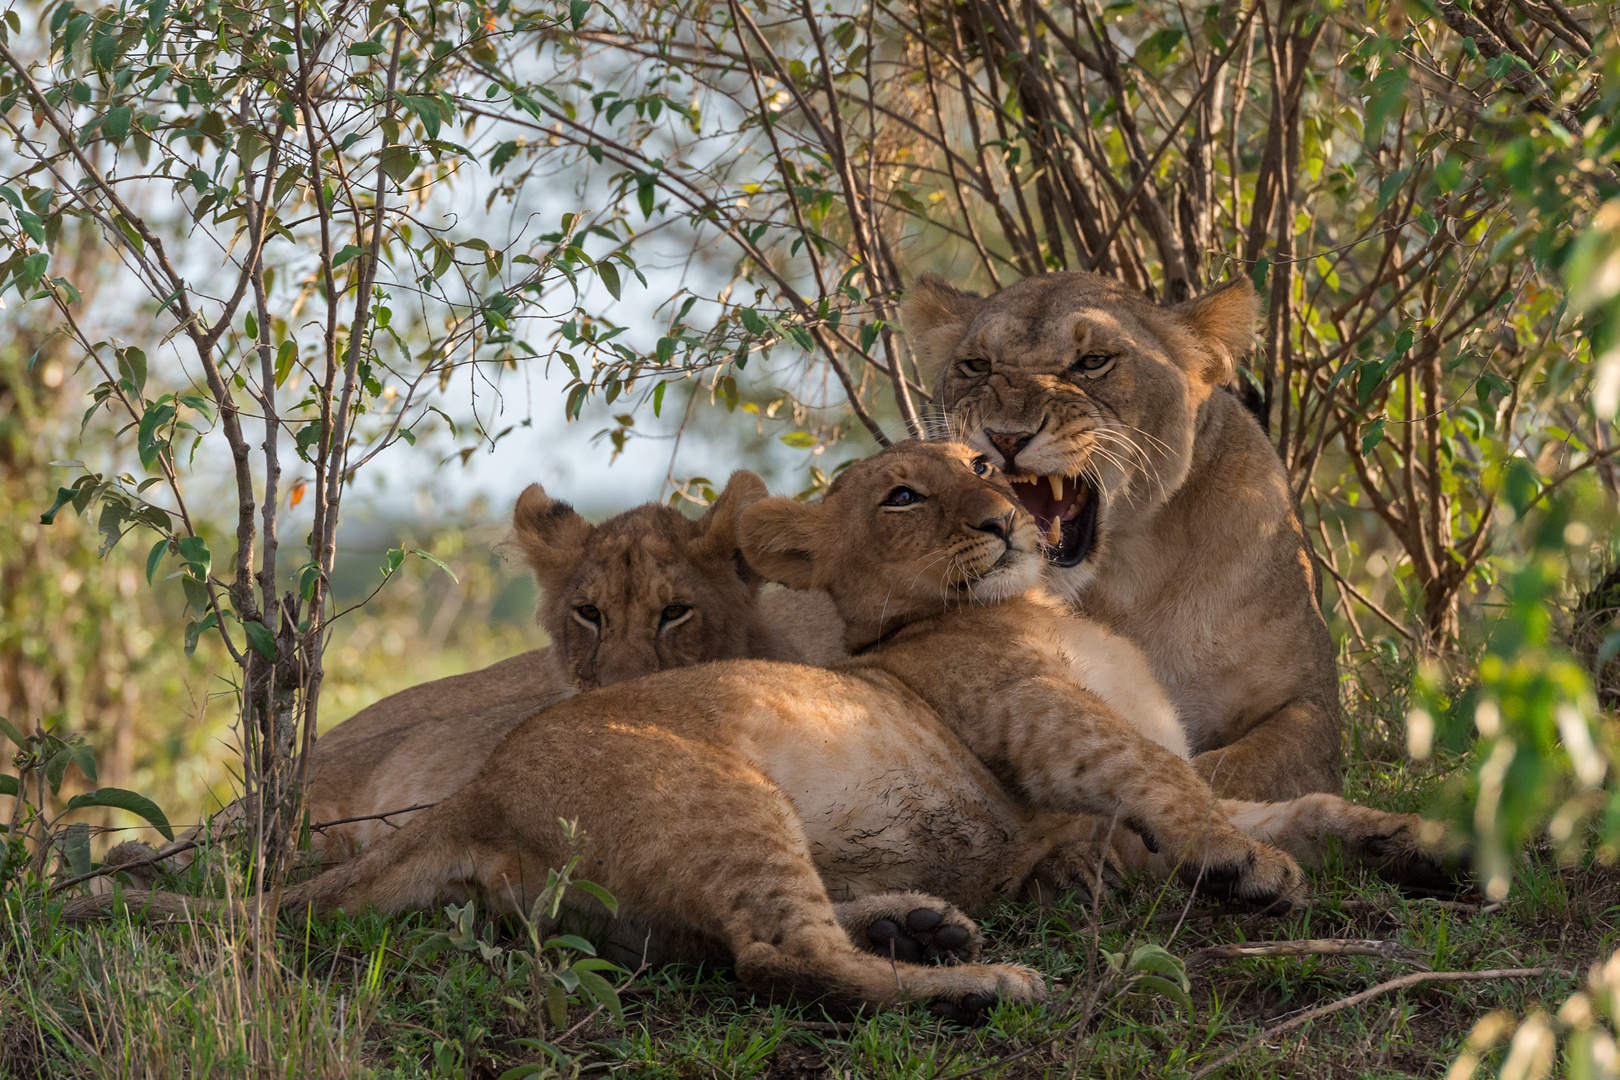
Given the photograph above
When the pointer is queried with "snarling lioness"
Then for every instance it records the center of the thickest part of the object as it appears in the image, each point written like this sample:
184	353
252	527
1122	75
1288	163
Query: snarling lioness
1165	513
730	805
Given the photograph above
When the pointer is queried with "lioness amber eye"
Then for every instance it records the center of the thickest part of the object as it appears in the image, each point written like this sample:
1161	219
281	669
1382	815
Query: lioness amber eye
902	496
977	367
589	613
1093	361
675	611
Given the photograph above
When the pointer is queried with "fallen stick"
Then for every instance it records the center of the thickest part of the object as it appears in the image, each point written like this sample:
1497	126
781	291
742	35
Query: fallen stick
1384	950
1415	979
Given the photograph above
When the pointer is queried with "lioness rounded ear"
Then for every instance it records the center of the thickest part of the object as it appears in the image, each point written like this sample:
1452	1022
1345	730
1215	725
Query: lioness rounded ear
935	315
721	523
551	534
1223	323
777	539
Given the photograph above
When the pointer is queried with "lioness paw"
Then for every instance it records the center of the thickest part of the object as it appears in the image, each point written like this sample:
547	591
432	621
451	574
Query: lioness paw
1260	876
911	927
1079	869
997	982
1416	863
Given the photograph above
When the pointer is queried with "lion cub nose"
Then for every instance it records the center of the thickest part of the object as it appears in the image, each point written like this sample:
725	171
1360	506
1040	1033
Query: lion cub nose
1009	442
1000	527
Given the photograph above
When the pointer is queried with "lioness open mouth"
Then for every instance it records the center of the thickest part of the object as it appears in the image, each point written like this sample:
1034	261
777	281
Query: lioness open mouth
1065	509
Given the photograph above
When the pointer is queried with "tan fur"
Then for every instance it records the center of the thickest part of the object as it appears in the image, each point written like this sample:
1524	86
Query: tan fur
423	744
735	803
1199	556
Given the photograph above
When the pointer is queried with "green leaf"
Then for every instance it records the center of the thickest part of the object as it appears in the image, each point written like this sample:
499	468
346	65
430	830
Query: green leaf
120	799
285	355
104	50
398	162
10	731
600	893
570	941
799	440
1372	436
56	767
194	550
132	366
63	497
1262	266
116	126
74	843
10	785
436	561
349	251
658	399
195	630
262	640
84	758
602	990
155	559
307	577
503	153
610	277
365	48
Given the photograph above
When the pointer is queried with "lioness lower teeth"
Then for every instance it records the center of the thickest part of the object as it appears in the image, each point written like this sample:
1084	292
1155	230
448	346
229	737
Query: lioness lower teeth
1054	532
1057	487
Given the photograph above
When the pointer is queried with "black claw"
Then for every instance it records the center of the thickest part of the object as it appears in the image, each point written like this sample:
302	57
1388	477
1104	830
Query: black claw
969	1012
978	1001
952	937
883	930
907	949
923	919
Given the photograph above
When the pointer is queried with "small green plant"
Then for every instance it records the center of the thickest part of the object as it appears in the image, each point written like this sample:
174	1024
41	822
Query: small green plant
33	833
558	970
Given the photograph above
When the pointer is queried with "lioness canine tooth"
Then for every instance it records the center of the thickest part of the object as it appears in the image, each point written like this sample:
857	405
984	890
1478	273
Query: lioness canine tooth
1057	487
1054	532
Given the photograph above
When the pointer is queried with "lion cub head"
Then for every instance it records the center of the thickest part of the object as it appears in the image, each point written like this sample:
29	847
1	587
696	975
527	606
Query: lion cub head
644	591
904	534
1084	391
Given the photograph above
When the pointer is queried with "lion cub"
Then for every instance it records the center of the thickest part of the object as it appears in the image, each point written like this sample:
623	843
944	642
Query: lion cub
723	800
645	591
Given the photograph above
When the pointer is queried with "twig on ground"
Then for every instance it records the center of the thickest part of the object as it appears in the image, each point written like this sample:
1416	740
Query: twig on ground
1385	950
1414	979
323	826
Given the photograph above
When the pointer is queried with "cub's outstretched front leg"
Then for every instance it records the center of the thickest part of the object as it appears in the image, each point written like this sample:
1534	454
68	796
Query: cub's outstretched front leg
1061	747
1391	845
689	837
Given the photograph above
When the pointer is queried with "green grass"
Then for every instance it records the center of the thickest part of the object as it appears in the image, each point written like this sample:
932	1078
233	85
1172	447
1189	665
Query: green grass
354	997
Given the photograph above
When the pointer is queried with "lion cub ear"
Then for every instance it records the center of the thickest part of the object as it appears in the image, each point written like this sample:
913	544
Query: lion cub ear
551	534
1223	323
777	539
936	315
721	524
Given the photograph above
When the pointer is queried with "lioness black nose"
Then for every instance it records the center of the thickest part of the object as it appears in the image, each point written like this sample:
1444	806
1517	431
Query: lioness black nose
999	526
1009	442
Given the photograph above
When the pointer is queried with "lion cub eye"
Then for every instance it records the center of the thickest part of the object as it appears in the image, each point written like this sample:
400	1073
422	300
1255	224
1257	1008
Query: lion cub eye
982	467
1093	363
589	615
973	367
903	496
674	613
